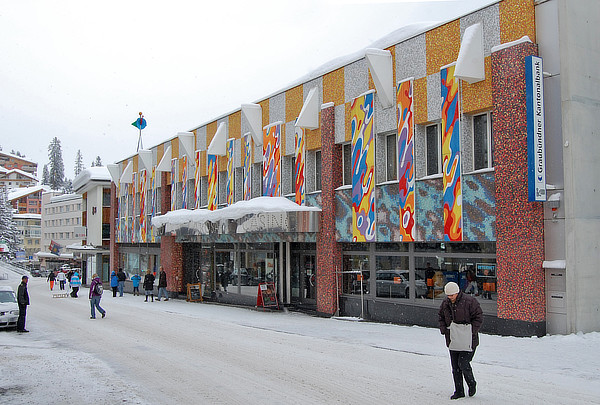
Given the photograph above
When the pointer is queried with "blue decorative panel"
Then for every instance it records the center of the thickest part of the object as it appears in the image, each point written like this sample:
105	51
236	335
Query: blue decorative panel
479	207
388	217
429	210
343	215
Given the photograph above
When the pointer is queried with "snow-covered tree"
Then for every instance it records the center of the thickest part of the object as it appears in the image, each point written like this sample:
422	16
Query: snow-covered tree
57	167
78	162
45	175
9	233
67	187
97	162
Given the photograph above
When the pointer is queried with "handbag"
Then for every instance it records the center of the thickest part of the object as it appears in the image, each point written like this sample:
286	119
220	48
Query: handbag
461	337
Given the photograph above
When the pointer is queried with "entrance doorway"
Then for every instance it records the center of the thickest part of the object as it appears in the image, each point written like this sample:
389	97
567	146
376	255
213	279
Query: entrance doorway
303	280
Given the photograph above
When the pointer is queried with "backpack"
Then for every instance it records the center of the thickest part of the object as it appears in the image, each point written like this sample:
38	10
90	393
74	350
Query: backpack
98	289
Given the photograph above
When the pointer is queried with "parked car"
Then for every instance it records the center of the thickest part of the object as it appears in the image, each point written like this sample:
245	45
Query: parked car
245	278
9	309
396	283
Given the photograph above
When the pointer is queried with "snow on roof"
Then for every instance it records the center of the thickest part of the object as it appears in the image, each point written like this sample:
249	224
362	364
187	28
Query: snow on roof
235	211
17	193
3	169
17	157
27	216
96	173
65	197
21	172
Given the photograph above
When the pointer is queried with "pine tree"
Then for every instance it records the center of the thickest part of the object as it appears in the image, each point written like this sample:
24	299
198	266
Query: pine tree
67	187
45	175
78	163
57	168
9	233
98	161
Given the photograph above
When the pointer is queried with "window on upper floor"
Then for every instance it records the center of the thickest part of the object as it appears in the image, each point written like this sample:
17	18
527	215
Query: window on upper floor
483	146
347	163
318	170
391	157
433	149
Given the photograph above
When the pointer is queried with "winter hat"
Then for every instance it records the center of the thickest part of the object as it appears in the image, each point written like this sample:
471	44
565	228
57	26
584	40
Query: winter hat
451	288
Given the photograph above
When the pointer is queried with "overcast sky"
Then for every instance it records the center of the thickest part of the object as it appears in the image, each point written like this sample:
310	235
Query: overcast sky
82	70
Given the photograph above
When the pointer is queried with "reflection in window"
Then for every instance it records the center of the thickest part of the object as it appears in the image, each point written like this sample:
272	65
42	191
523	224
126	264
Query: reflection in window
356	274
392	278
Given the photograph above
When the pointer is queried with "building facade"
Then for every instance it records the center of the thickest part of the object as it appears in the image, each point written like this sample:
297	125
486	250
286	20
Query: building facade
29	226
93	184
419	158
27	200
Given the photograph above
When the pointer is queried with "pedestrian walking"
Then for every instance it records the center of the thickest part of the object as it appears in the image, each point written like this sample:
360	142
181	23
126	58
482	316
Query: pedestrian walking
460	318
23	302
62	279
75	284
135	280
114	283
51	279
162	284
149	285
95	296
121	276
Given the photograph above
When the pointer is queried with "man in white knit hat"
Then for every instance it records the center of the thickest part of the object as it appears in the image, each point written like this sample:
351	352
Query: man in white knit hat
460	315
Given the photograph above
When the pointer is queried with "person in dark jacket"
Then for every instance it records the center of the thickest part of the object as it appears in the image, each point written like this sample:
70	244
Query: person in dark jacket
149	285
162	284
22	301
121	276
462	309
95	297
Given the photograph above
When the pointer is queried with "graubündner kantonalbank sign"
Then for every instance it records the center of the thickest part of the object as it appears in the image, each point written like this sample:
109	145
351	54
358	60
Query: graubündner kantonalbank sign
535	128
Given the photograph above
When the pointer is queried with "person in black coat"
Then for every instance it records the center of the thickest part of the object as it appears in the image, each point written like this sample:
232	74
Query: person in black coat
460	308
149	285
22	301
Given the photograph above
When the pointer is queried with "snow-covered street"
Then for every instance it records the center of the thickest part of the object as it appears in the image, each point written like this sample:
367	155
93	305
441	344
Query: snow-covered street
180	352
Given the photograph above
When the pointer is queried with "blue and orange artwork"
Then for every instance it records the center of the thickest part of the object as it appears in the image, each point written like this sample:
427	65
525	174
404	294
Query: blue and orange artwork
272	161
142	191
451	156
212	182
246	162
184	182
299	169
174	175
133	228
406	167
197	200
153	200
363	169
230	172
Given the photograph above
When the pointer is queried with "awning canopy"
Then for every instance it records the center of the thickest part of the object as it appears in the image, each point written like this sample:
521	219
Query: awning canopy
261	214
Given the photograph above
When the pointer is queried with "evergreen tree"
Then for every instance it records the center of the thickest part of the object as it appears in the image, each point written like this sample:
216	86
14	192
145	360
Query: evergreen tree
9	233
45	175
78	163
57	167
98	162
67	187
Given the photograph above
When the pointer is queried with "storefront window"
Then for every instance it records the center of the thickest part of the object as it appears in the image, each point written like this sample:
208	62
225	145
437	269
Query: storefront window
392	278
356	274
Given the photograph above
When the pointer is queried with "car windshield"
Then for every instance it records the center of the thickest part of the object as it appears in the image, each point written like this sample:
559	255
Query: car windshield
7	296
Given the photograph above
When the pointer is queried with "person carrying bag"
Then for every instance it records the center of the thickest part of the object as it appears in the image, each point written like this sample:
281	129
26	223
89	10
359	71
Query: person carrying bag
460	318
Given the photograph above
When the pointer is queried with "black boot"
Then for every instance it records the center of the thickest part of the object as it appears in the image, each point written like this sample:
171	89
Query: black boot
472	388
459	388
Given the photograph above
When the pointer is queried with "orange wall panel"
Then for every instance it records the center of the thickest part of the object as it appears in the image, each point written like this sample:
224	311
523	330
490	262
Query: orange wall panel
443	44
420	99
517	18
478	96
333	87
235	125
294	99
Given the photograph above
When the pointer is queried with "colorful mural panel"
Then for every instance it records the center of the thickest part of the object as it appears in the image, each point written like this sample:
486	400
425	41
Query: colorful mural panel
153	201
142	191
197	189
451	156
184	182
363	169
133	228
174	175
272	161
246	165
230	172
299	170
212	182
406	153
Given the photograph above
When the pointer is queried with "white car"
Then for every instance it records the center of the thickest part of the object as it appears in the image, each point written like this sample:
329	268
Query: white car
9	309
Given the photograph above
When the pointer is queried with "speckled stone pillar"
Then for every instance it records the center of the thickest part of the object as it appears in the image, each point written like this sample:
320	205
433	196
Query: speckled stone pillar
171	252
329	253
519	223
114	212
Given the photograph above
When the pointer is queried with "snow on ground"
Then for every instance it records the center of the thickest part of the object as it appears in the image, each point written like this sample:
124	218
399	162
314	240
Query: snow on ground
180	352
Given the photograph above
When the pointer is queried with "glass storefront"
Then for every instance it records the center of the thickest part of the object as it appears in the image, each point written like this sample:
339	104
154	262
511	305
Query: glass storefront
138	261
417	272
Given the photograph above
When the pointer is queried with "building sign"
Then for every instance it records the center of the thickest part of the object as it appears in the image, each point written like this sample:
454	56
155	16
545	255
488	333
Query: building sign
80	232
536	161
